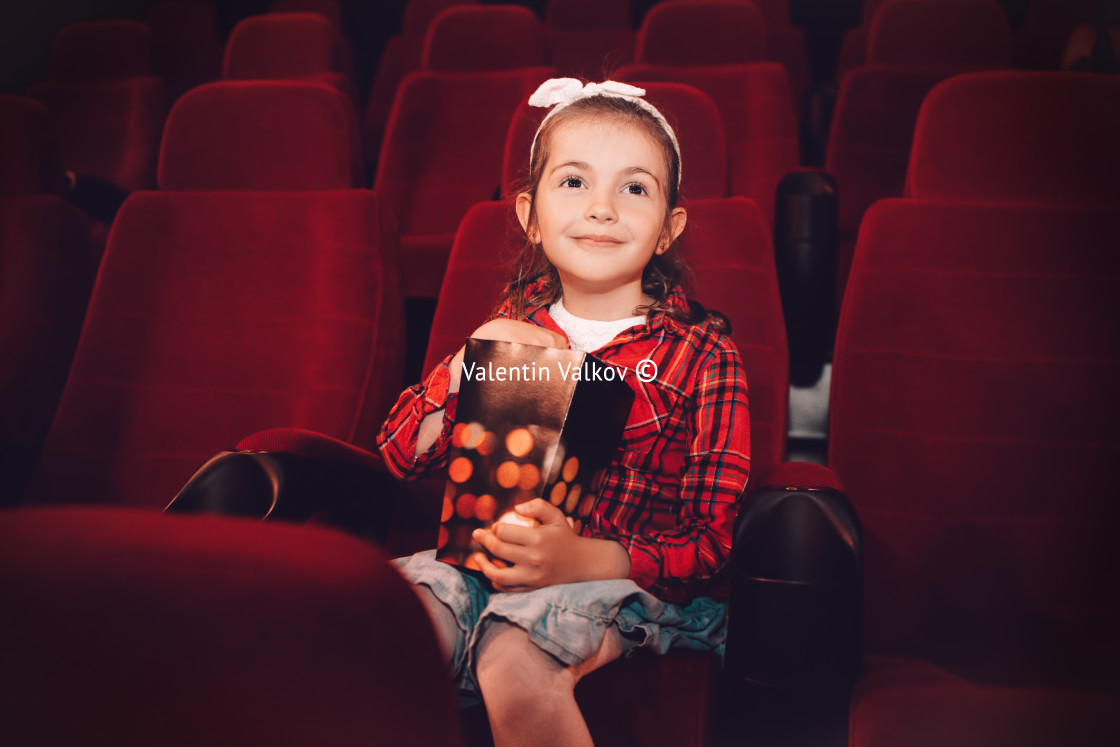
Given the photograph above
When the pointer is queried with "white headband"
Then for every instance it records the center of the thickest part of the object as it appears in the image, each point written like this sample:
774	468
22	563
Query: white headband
560	92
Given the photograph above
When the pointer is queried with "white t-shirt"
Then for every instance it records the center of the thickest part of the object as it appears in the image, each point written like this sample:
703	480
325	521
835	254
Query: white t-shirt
588	335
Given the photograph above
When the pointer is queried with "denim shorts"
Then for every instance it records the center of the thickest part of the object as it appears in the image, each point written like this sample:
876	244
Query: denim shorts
568	621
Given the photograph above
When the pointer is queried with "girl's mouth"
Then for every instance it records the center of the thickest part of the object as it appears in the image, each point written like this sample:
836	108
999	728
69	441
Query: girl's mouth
597	241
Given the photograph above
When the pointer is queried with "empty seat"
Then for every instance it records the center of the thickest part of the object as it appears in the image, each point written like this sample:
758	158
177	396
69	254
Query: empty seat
101	50
174	630
758	120
589	39
972	401
702	33
476	37
328	9
693	116
967	34
443	153
225	136
281	45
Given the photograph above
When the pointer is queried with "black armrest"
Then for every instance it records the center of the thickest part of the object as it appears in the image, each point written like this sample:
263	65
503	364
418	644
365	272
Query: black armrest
796	612
339	486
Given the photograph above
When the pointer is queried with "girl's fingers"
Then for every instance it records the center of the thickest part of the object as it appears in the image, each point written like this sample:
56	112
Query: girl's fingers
512	552
541	510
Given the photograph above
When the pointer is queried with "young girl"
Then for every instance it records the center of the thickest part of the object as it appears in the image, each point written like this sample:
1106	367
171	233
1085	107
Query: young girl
599	273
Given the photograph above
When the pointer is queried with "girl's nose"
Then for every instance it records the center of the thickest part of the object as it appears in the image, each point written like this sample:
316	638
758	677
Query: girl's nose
601	209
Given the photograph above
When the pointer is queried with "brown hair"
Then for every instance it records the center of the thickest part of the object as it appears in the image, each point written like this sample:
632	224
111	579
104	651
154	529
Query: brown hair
662	274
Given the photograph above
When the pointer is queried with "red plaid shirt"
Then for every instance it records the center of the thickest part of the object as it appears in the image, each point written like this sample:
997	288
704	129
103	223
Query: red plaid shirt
671	492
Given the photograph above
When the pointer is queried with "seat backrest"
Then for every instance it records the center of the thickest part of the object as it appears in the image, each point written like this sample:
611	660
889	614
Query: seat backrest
758	120
281	45
962	33
109	128
727	245
328	9
28	148
218	314
442	150
1047	138
101	50
418	14
691	113
973	395
702	33
484	37
224	135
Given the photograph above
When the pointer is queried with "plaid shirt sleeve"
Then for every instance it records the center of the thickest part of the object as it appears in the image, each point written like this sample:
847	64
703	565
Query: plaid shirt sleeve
397	439
686	560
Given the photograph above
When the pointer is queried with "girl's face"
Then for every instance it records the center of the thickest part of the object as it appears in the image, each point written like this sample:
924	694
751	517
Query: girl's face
600	207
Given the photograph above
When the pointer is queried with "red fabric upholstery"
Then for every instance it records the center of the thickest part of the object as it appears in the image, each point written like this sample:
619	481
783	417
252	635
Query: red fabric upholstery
971	421
692	114
869	143
591	54
281	45
702	33
326	8
186	51
964	33
799	475
727	245
28	149
443	153
758	121
46	273
101	50
477	37
136	628
218	314
262	136
853	50
109	129
1046	138
418	14
400	57
588	14
906	703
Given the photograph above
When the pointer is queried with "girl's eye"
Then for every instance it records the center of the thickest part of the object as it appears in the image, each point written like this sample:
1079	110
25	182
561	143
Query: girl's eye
636	189
573	181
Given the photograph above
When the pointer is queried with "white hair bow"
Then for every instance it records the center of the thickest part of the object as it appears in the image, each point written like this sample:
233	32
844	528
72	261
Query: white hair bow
560	92
563	91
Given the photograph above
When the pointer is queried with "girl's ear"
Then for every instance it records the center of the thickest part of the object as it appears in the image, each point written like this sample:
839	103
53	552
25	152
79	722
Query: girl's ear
523	206
677	220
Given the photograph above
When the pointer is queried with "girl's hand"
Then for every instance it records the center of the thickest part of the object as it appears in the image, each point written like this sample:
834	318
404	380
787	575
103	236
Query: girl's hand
548	554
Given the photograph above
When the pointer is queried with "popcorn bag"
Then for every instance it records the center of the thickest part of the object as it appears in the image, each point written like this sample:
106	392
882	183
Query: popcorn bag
531	422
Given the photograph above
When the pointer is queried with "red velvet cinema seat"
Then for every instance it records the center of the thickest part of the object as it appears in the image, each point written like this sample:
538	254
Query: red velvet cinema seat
484	37
442	153
46	272
759	122
287	46
589	38
691	112
134	628
972	421
221	311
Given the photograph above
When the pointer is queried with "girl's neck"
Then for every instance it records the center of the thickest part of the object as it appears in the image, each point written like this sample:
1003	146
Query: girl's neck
604	307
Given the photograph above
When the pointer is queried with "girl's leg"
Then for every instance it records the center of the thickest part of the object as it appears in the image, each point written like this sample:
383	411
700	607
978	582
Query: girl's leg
443	621
529	694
